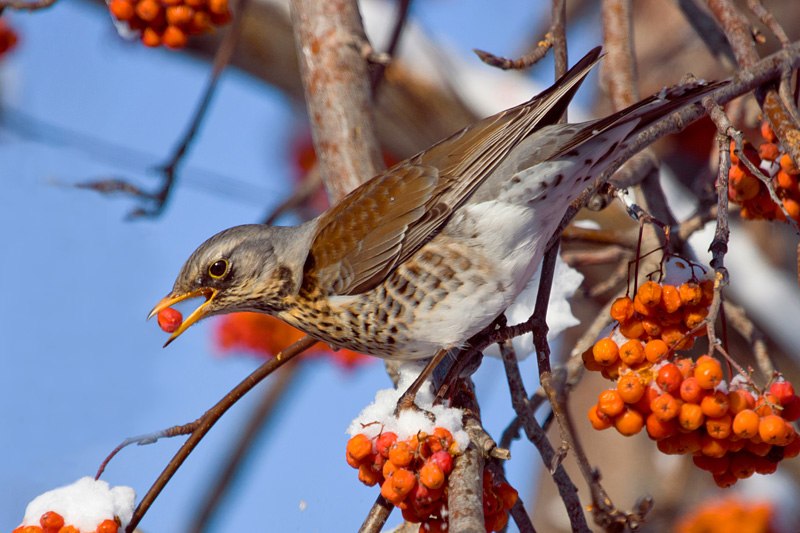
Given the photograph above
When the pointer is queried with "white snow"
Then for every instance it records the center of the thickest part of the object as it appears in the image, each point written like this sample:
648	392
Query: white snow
379	416
84	504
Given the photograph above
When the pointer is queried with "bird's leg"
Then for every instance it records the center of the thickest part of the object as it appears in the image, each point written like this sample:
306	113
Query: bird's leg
406	401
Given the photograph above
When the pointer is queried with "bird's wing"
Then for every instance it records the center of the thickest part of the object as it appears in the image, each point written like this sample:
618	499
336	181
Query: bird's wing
384	221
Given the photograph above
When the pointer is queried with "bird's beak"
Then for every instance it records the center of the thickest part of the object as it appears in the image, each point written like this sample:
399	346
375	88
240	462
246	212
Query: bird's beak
198	314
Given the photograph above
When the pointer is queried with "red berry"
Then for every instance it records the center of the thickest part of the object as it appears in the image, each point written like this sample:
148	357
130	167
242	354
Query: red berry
783	391
444	460
169	319
384	442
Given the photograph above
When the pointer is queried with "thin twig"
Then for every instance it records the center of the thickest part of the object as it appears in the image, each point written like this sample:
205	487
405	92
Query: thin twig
737	317
207	421
377	516
377	75
525	61
169	170
245	438
769	20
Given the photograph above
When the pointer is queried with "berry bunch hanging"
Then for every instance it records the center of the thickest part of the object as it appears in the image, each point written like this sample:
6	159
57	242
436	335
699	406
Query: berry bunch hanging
170	22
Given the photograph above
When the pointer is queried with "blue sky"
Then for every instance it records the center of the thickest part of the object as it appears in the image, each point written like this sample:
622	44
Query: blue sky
81	369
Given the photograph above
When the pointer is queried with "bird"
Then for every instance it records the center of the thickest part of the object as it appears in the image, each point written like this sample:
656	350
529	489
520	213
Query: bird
421	257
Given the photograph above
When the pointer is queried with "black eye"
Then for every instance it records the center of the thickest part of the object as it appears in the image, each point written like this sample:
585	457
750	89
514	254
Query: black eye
218	269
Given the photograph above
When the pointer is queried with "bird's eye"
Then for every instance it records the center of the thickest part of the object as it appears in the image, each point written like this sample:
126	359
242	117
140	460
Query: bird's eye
218	269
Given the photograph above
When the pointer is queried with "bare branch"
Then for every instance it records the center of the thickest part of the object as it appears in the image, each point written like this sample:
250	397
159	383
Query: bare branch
329	38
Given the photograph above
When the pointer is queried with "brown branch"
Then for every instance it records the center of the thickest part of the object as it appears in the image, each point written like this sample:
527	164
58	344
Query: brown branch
559	18
737	317
739	35
377	76
525	413
377	516
245	438
619	66
768	19
209	418
329	38
22	5
465	484
525	61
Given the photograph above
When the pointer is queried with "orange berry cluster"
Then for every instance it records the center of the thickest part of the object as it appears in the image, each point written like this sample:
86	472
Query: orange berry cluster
52	522
750	192
659	319
170	22
413	474
729	515
685	405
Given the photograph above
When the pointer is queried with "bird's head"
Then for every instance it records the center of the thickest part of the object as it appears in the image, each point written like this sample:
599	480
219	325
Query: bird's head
244	268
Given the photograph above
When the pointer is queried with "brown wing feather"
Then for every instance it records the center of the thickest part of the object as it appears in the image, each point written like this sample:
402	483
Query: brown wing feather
384	221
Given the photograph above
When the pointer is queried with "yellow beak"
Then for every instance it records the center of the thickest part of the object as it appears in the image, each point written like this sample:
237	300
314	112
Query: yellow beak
197	315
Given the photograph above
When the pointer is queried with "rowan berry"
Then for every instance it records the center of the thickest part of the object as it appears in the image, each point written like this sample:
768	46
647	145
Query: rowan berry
767	133
712	447
151	37
784	180
791	411
658	429
201	22
670	298
122	9
715	465
169	319
179	15
397	487
669	378
622	309
691	416
651	326
51	520
218	6
715	404
725	480
665	407
401	453
610	403
605	351
685	365
174	37
739	400
443	460
655	350
787	164
772	429
632	329
632	352
708	373
359	447
431	475
385	441
630	422
694	316
768	151
107	526
720	427
148	10
598	419
691	391
630	387
690	293
649	293
745	424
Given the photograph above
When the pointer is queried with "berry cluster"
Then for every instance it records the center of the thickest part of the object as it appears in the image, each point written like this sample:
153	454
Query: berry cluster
52	522
751	193
685	405
728	515
170	22
413	474
658	320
